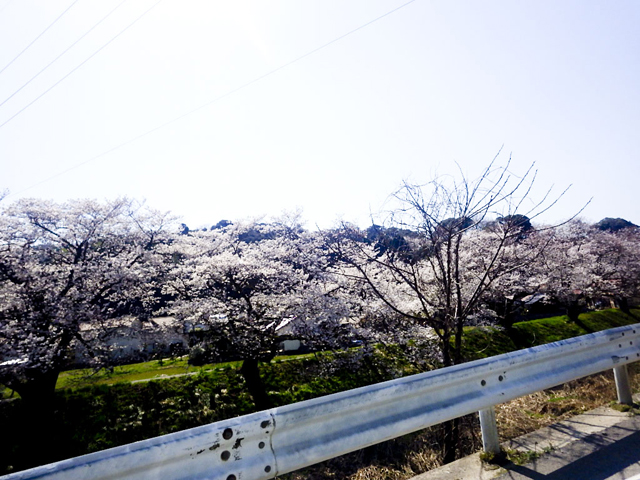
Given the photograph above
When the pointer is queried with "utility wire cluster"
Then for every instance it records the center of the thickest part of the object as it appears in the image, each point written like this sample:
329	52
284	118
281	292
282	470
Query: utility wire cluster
111	40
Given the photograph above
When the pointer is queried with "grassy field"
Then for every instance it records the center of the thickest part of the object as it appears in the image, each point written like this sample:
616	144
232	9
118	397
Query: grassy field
482	342
140	372
154	370
145	371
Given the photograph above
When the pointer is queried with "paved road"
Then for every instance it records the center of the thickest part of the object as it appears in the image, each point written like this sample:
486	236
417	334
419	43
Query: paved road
613	454
603	444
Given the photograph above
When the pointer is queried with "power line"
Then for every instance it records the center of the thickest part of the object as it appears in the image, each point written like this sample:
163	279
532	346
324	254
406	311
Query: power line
41	33
210	102
65	51
78	66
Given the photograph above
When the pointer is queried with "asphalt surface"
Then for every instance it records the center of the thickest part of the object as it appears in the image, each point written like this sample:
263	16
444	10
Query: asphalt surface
603	444
611	454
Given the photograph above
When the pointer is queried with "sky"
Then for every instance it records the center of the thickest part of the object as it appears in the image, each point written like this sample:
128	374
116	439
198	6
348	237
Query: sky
227	110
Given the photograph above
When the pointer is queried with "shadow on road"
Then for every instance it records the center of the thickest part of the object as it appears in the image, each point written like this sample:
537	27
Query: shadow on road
604	463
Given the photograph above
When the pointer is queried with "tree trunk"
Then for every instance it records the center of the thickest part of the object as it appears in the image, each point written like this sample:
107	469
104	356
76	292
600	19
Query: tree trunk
450	430
40	387
446	349
457	352
450	440
624	306
37	420
573	310
251	374
509	315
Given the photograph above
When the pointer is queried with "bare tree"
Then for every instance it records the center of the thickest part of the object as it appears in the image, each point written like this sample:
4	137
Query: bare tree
443	248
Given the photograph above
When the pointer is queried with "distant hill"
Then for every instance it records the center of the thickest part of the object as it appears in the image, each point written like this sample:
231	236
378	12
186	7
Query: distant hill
614	224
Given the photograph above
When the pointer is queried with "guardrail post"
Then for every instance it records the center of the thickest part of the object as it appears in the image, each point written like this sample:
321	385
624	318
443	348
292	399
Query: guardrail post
490	439
622	385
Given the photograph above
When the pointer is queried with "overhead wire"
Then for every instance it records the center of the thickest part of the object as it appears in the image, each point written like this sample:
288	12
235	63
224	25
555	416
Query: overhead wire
78	66
40	35
215	100
65	51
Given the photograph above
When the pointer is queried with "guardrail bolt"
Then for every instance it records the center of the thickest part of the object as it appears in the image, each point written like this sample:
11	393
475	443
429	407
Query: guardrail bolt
226	455
261	445
267	468
231	477
265	423
483	383
227	434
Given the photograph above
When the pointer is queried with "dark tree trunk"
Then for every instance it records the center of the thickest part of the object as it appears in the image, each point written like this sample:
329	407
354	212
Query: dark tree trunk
450	430
509	315
251	374
457	352
624	305
447	361
38	389
450	440
573	310
37	419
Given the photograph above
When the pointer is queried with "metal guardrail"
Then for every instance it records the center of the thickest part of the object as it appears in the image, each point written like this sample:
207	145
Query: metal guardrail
273	442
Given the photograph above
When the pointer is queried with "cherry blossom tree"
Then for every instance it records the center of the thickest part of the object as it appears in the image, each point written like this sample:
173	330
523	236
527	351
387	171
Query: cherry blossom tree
564	274
239	283
68	272
585	263
617	264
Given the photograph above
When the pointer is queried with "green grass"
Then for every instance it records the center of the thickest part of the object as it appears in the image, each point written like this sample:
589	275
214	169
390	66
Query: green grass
153	370
547	330
483	342
556	399
517	457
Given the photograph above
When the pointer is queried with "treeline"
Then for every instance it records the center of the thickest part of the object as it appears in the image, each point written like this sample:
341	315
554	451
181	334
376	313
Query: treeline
84	282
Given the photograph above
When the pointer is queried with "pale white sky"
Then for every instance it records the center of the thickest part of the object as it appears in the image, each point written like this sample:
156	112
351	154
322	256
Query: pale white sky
431	84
